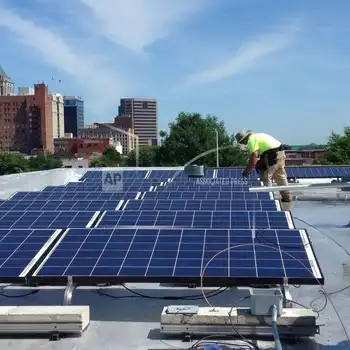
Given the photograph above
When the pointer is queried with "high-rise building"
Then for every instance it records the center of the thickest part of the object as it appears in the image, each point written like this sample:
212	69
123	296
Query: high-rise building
73	114
26	122
6	84
57	115
144	118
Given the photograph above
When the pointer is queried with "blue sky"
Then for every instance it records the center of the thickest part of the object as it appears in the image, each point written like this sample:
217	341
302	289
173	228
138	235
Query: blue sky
280	67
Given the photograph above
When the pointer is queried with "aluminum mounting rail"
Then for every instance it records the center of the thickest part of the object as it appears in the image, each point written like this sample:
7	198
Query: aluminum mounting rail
303	187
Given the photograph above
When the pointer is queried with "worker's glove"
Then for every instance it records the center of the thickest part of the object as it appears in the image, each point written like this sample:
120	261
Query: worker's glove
245	173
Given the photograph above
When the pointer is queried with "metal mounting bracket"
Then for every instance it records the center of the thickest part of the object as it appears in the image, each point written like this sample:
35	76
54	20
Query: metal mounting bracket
68	292
287	296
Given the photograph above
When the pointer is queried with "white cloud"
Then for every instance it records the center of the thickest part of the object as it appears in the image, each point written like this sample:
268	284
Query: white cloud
97	81
247	55
137	24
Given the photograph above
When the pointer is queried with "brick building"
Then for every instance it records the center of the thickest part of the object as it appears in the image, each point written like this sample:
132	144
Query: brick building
303	156
81	147
26	122
121	133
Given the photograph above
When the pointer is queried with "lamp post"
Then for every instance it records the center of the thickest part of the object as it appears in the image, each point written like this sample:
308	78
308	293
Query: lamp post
217	148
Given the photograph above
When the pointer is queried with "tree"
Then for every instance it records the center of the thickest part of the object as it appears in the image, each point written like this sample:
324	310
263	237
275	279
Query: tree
110	158
337	149
15	163
12	164
192	138
44	163
148	156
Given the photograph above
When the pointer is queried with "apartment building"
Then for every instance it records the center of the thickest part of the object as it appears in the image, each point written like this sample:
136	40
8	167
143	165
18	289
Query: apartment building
81	147
26	122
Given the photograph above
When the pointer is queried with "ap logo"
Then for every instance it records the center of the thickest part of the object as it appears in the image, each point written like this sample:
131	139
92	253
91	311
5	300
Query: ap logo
112	181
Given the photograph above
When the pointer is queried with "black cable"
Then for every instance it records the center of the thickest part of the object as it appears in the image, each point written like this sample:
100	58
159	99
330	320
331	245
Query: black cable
203	341
136	294
235	329
19	296
324	234
324	293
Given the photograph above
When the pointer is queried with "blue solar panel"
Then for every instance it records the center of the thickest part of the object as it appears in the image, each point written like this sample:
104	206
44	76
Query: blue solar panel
203	188
317	172
103	188
198	204
47	196
54	205
293	172
206	195
139	174
20	248
172	255
48	219
197	219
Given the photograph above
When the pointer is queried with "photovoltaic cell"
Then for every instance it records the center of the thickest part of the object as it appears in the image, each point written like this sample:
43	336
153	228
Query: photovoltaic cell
207	195
197	219
294	172
18	248
55	205
171	255
45	220
204	188
198	204
78	196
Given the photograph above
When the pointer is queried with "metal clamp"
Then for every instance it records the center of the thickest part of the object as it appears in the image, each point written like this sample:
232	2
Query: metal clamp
68	292
287	295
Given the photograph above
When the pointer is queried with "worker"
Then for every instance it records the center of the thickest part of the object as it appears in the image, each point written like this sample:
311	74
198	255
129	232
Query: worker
271	164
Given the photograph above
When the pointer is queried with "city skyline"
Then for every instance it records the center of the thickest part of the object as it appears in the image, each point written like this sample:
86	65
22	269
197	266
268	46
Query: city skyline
253	64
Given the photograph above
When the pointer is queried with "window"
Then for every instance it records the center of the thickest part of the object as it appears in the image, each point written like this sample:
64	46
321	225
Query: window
145	104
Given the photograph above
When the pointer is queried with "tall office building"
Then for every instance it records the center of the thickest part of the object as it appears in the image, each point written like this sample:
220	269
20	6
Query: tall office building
73	114
57	115
26	122
6	84
144	118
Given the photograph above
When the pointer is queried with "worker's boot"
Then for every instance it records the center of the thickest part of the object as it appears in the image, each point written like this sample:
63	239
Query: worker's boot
286	206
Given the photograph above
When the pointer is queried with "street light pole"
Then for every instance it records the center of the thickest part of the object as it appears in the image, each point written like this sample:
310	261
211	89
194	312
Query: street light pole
217	148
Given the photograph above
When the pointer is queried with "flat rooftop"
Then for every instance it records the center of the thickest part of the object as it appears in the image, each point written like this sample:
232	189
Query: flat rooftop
121	320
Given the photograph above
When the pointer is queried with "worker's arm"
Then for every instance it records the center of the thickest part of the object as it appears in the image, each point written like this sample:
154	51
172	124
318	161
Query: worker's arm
252	162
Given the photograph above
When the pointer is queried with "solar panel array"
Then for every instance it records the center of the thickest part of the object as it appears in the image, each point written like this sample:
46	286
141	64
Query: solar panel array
298	172
158	226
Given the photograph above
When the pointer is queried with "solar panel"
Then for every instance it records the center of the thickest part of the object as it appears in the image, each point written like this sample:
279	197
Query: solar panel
317	172
173	255
126	174
46	219
198	204
206	195
293	172
204	188
55	205
20	250
103	188
196	219
48	196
